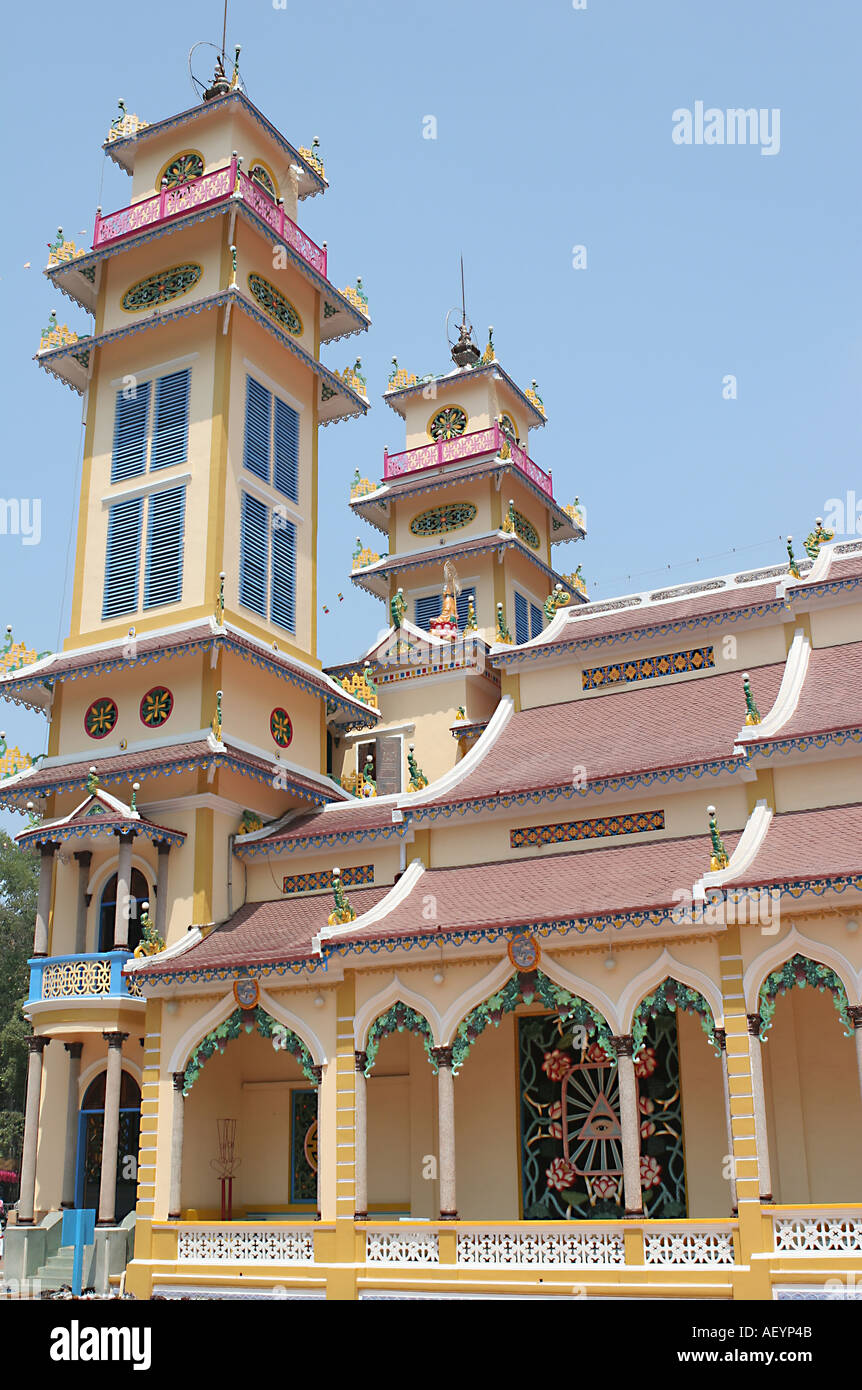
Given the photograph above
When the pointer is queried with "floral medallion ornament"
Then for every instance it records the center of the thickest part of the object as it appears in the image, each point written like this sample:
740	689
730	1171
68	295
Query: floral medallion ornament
162	287
524	952
274	303
280	727
246	993
448	423
183	169
101	718
262	176
156	707
450	517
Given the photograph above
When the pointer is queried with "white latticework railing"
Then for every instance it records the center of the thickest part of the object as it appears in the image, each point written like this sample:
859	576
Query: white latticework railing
412	1246
840	1234
263	1245
687	1247
531	1248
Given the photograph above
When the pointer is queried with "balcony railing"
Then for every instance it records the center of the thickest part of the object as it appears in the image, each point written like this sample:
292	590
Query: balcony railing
81	977
206	191
467	446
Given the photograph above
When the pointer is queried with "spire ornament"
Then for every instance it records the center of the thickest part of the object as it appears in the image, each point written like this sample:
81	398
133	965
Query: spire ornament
92	781
816	538
343	911
418	780
503	633
794	566
489	354
719	859
752	713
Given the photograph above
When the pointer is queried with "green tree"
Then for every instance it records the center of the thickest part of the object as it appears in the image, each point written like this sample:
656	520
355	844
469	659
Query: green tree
19	879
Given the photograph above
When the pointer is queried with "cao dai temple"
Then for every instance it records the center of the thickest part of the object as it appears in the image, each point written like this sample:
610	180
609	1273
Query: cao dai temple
518	954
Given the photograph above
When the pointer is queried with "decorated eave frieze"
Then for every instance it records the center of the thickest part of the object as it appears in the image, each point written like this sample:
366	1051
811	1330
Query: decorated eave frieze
111	827
78	278
530	402
275	845
72	363
121	149
374	576
32	686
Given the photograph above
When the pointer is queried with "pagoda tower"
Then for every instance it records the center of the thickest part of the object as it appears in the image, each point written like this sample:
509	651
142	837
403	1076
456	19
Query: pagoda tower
188	703
470	520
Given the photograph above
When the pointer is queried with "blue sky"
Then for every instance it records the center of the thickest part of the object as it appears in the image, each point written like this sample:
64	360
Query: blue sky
554	130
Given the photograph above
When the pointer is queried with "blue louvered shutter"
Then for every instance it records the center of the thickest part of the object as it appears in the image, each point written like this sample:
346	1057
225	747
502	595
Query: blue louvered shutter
283	604
253	555
171	428
258	428
123	558
163	581
462	603
427	608
537	620
130	434
522	625
286	450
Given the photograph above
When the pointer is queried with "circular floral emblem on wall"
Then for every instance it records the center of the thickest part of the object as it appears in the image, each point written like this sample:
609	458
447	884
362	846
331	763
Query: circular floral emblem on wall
100	718
161	287
182	169
448	423
156	707
280	727
258	174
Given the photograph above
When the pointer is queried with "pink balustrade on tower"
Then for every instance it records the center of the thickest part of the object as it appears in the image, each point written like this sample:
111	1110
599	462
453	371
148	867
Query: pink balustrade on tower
466	446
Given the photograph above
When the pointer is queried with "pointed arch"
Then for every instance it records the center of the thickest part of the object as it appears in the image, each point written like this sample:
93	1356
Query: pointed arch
246	1021
796	943
664	966
797	972
505	1000
220	1012
394	992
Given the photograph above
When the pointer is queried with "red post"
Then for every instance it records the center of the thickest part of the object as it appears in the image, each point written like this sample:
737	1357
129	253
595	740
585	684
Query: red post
163	193
222	1199
232	179
230	1199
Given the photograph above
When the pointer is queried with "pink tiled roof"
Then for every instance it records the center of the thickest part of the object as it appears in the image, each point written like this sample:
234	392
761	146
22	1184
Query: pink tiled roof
624	731
260	933
809	844
831	697
332	820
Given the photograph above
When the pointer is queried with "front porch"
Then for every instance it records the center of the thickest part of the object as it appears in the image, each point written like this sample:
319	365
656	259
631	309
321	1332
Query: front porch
804	1252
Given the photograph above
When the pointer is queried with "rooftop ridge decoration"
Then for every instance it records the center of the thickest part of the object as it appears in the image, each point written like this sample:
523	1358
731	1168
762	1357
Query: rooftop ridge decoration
357	297
342	912
150	943
61	250
400	378
752	713
557	598
718	859
361	487
16	655
13	761
56	334
353	377
793	567
489	355
311	157
532	394
575	512
361	685
126	125
576	581
364	556
816	538
418	780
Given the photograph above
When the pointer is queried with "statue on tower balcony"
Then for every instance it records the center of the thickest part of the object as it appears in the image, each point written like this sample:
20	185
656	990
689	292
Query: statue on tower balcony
220	84
447	624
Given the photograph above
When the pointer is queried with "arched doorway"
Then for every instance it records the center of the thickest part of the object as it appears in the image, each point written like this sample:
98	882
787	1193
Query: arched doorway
139	893
91	1124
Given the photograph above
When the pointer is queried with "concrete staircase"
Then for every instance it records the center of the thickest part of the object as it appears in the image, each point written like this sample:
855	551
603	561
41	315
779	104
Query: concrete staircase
57	1269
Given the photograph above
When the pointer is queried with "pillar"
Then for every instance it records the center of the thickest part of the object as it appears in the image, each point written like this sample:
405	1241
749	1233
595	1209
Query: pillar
27	1198
759	1099
84	858
630	1122
720	1036
43	902
855	1012
111	1130
361	1139
177	1122
164	850
446	1132
318	1079
74	1050
124	888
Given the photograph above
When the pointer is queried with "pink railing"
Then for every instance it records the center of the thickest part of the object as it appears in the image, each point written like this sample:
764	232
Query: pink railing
466	446
210	188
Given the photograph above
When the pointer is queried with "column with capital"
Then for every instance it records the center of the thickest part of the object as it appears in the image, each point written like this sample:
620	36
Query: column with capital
720	1035
759	1106
124	891
111	1129
318	1079
446	1132
43	902
164	850
84	859
74	1050
27	1197
630	1122
855	1012
177	1122
361	1137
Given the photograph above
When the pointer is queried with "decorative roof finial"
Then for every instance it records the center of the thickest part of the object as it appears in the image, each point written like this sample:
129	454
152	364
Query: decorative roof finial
489	354
465	352
509	524
794	567
557	598
368	786
150	943
233	265
816	538
752	713
136	787
718	859
471	625
92	781
503	633
217	720
418	780
343	911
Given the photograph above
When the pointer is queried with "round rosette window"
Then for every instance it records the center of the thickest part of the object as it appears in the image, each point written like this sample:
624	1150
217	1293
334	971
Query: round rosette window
101	718
281	727
156	707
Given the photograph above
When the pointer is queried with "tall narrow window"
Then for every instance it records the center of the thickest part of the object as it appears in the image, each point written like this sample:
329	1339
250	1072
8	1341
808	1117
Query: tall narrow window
267	563
130	433
271	445
529	620
164	574
254	555
123	558
283	600
171	427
